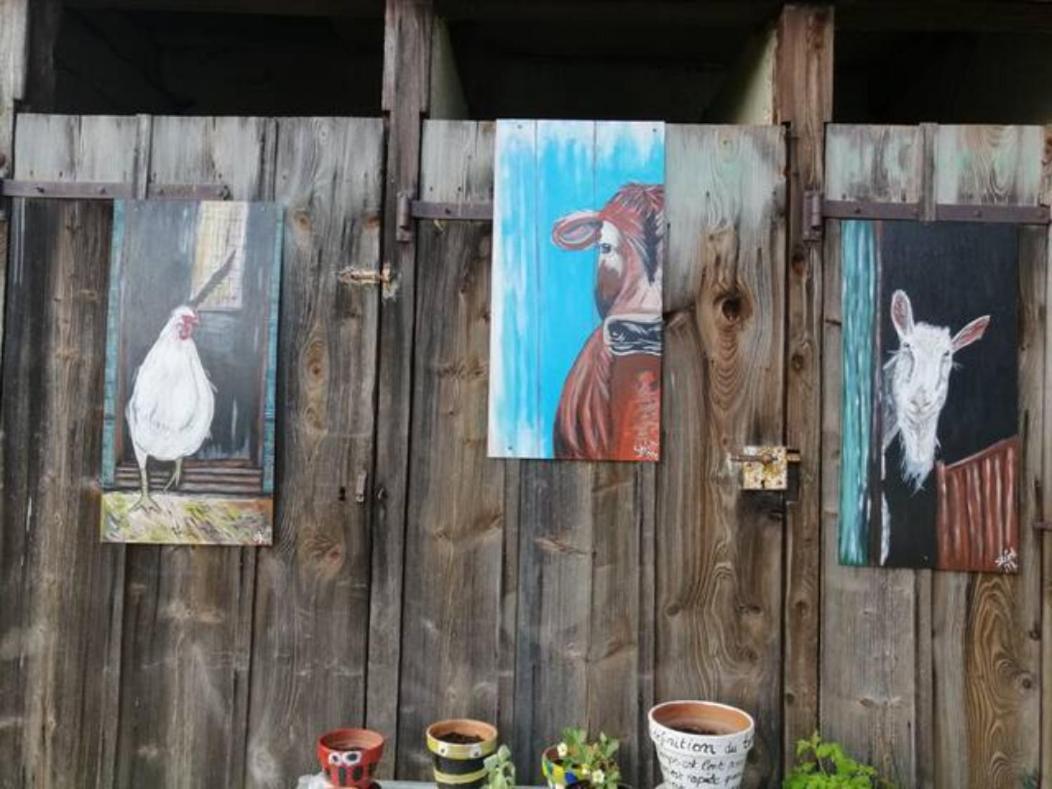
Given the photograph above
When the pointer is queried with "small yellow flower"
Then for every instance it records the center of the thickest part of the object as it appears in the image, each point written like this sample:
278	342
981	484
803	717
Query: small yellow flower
562	750
597	778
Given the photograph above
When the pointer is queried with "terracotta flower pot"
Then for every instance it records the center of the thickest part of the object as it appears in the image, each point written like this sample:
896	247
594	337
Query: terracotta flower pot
349	757
701	743
459	748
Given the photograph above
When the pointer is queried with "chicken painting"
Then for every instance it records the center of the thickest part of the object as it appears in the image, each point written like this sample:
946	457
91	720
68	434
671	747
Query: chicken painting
172	403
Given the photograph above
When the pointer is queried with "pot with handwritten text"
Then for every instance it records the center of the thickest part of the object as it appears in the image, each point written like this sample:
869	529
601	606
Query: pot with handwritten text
701	743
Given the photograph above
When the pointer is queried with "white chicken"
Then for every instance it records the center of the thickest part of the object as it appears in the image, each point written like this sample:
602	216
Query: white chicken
172	403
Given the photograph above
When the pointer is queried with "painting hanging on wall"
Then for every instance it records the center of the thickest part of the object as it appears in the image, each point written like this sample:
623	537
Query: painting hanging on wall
191	352
578	253
930	455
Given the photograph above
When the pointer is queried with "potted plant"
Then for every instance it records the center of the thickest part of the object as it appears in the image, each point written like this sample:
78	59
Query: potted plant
701	743
349	757
458	750
500	769
577	762
825	765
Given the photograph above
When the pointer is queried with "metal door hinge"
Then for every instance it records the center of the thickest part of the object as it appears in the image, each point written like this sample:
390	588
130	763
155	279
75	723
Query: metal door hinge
766	467
812	229
365	276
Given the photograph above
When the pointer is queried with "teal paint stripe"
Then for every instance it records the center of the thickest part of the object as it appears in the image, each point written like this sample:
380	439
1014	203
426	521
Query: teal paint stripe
273	316
859	272
113	310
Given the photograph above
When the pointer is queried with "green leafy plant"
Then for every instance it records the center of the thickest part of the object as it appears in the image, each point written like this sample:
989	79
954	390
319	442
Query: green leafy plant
595	761
500	770
825	765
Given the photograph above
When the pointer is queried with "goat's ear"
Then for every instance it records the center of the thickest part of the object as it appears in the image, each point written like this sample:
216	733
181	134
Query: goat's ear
970	333
902	313
578	230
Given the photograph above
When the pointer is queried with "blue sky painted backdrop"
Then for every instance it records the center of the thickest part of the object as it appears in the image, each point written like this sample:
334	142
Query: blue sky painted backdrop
543	305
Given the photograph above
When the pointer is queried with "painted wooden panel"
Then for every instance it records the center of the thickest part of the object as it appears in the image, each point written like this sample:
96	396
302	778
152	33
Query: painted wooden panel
577	278
188	423
930	460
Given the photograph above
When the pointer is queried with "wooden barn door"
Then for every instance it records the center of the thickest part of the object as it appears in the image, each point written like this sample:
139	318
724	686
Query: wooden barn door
935	677
185	666
542	594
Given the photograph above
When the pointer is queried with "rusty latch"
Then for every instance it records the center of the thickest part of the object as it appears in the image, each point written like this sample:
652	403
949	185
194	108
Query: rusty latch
365	276
766	467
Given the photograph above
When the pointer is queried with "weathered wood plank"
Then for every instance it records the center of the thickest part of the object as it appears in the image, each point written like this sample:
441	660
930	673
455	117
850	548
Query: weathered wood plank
867	681
985	652
719	551
1045	488
406	84
57	609
879	163
188	611
454	534
311	606
803	97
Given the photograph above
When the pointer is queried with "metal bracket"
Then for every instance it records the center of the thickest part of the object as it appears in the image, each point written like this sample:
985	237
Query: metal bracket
766	467
409	209
365	276
109	190
818	209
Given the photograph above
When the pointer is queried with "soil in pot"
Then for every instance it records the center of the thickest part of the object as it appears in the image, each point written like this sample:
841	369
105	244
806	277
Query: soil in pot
456	738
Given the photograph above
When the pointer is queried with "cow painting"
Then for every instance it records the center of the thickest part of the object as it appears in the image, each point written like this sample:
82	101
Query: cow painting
610	406
576	304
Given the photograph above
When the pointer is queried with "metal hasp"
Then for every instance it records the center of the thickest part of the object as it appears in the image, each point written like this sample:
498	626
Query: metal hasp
110	190
766	467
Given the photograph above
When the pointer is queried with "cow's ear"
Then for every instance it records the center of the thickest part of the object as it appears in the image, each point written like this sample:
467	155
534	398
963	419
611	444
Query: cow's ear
578	230
902	314
970	333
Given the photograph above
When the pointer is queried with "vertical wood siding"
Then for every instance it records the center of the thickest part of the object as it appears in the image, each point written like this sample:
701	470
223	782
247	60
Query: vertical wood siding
535	594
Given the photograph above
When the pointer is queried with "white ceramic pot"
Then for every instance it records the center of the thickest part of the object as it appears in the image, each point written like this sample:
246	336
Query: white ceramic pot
701	743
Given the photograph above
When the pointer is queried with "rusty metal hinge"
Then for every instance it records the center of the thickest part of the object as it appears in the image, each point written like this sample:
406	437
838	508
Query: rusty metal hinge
365	276
766	467
812	229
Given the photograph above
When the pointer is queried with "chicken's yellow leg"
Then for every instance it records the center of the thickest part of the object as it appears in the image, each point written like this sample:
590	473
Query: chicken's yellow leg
144	502
177	476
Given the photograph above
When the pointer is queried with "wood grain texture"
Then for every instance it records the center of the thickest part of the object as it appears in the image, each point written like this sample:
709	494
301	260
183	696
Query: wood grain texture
60	626
987	650
803	97
406	90
719	552
454	534
312	592
188	611
1041	505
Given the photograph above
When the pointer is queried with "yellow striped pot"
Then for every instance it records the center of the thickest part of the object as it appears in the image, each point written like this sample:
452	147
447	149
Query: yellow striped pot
460	765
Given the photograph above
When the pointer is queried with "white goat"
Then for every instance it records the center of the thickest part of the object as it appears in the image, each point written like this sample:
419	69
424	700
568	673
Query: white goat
916	382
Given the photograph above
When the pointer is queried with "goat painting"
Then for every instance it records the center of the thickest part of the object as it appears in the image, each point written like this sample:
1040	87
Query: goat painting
929	447
576	339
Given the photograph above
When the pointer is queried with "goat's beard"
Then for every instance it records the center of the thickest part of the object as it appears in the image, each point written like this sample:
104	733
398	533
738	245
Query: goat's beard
918	444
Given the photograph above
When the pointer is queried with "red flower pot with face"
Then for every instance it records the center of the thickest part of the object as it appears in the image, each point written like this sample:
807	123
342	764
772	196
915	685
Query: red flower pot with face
349	757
